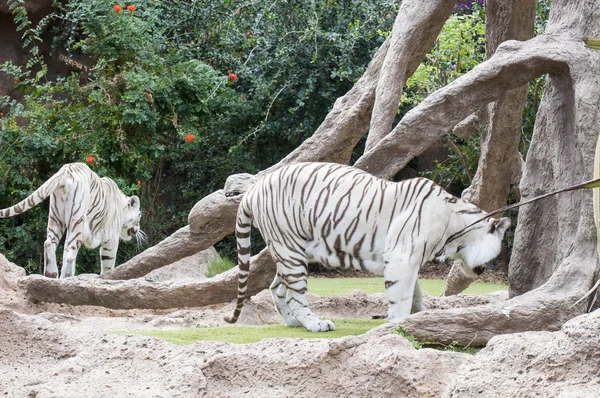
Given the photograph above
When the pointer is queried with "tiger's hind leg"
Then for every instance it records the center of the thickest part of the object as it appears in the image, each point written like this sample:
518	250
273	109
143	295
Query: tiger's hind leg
76	218
293	272
279	292
54	233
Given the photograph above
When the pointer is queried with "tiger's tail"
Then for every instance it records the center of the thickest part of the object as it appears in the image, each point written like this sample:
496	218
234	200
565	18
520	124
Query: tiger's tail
37	197
242	234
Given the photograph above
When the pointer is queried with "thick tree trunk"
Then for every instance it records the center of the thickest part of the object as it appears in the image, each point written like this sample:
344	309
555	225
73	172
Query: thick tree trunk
408	47
500	160
555	241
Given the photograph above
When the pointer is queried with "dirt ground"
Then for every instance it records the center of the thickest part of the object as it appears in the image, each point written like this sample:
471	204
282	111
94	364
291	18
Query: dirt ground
54	350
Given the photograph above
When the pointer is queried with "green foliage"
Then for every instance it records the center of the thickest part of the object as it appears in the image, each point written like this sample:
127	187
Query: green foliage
402	331
251	334
454	347
459	47
218	265
293	59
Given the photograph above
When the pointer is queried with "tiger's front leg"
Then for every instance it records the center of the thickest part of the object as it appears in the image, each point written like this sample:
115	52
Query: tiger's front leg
54	233
401	283
72	245
108	255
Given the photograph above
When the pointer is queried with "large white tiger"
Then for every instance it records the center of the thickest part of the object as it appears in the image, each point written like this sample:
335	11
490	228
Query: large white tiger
343	217
91	209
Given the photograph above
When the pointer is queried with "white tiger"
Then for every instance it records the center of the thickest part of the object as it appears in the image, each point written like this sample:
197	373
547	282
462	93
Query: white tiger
341	216
91	209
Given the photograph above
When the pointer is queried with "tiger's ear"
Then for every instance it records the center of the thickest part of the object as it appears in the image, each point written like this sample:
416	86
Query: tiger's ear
134	201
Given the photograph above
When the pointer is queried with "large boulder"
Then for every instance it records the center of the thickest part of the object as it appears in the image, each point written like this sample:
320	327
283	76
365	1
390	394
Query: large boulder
565	363
193	267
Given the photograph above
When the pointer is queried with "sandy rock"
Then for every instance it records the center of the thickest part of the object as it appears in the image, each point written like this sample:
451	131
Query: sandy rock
192	267
10	294
546	364
64	353
9	274
372	365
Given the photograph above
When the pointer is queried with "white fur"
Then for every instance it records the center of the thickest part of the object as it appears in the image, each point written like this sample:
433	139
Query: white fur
343	217
91	210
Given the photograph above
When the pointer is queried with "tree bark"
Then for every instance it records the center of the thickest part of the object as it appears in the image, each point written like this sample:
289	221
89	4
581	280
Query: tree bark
505	20
500	160
408	47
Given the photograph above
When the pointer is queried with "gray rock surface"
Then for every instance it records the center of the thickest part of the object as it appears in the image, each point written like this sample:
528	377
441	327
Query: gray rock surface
193	267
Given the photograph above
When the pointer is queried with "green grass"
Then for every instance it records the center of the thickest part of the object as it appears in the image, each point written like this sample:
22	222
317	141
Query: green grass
251	334
318	286
218	265
339	286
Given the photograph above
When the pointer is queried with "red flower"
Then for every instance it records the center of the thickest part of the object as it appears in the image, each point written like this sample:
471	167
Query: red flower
131	8
139	182
190	137
243	98
232	77
118	8
249	33
90	159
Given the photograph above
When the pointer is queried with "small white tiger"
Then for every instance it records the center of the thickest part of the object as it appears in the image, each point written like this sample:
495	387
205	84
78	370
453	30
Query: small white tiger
341	216
91	209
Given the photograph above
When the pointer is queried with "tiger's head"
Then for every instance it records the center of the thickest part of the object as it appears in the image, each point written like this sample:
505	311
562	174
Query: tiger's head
477	244
131	220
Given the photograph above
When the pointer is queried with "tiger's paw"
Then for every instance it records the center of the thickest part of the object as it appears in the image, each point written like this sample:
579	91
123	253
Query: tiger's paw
321	326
